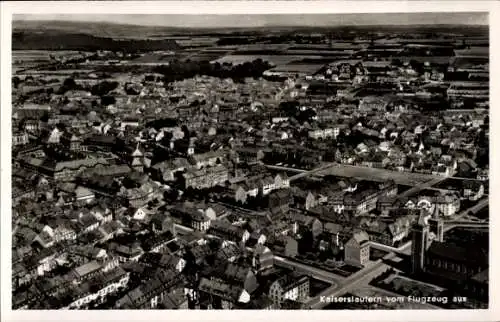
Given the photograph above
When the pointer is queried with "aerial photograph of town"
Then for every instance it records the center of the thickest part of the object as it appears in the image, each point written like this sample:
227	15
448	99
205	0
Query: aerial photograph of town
258	162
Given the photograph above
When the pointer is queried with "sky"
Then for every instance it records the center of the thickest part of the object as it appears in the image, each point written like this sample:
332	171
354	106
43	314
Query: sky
259	20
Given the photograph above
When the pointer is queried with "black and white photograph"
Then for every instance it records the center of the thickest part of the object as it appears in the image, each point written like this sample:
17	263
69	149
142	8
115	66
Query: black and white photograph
326	161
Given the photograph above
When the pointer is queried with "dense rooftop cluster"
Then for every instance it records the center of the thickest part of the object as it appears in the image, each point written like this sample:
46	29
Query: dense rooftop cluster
150	191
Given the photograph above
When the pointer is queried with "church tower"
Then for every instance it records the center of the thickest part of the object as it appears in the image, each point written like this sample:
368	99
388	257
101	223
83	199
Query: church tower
137	159
437	225
420	236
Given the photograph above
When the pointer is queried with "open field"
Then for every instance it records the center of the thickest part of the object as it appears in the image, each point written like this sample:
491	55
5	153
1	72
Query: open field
298	68
273	59
154	58
374	174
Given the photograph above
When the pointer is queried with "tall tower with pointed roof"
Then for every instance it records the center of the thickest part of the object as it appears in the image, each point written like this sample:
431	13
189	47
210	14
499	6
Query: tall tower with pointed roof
420	236
137	159
437	225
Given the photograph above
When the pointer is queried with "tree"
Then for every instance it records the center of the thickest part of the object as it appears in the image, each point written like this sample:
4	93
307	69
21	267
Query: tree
16	81
103	88
108	100
69	82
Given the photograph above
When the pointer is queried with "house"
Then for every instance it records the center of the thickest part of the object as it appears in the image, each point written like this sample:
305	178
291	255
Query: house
279	201
281	181
266	185
220	294
386	232
304	199
321	133
206	177
483	175
83	254
289	287
138	214
138	197
249	154
175	300
109	230
357	250
250	187
41	263
262	259
228	253
337	234
99	287
386	203
167	170
240	275
372	103
198	220
86	271
165	261
447	205
71	141
229	232
208	159
128	253
472	190
198	217
46	237
291	247
162	222
20	138
84	195
240	194
149	294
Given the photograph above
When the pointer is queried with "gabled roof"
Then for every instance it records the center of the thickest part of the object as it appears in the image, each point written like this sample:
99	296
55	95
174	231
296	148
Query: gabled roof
360	237
87	268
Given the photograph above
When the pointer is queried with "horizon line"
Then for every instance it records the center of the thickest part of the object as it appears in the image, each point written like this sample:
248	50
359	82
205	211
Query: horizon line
208	21
256	27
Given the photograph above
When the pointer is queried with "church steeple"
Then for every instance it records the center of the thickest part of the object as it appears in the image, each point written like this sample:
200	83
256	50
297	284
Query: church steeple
137	161
437	225
137	152
420	236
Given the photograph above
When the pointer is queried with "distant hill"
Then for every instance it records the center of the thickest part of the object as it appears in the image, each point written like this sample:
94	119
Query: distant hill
115	30
60	40
97	29
75	35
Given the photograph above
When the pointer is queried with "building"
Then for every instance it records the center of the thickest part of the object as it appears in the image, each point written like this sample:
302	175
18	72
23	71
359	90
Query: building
447	205
220	294
71	141
420	242
167	170
206	177
199	221
289	287
229	232
280	200
249	154
208	159
102	285
62	171
357	250
455	262
263	258
20	138
128	253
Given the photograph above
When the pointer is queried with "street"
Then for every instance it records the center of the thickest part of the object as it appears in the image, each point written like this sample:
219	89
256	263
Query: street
317	273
